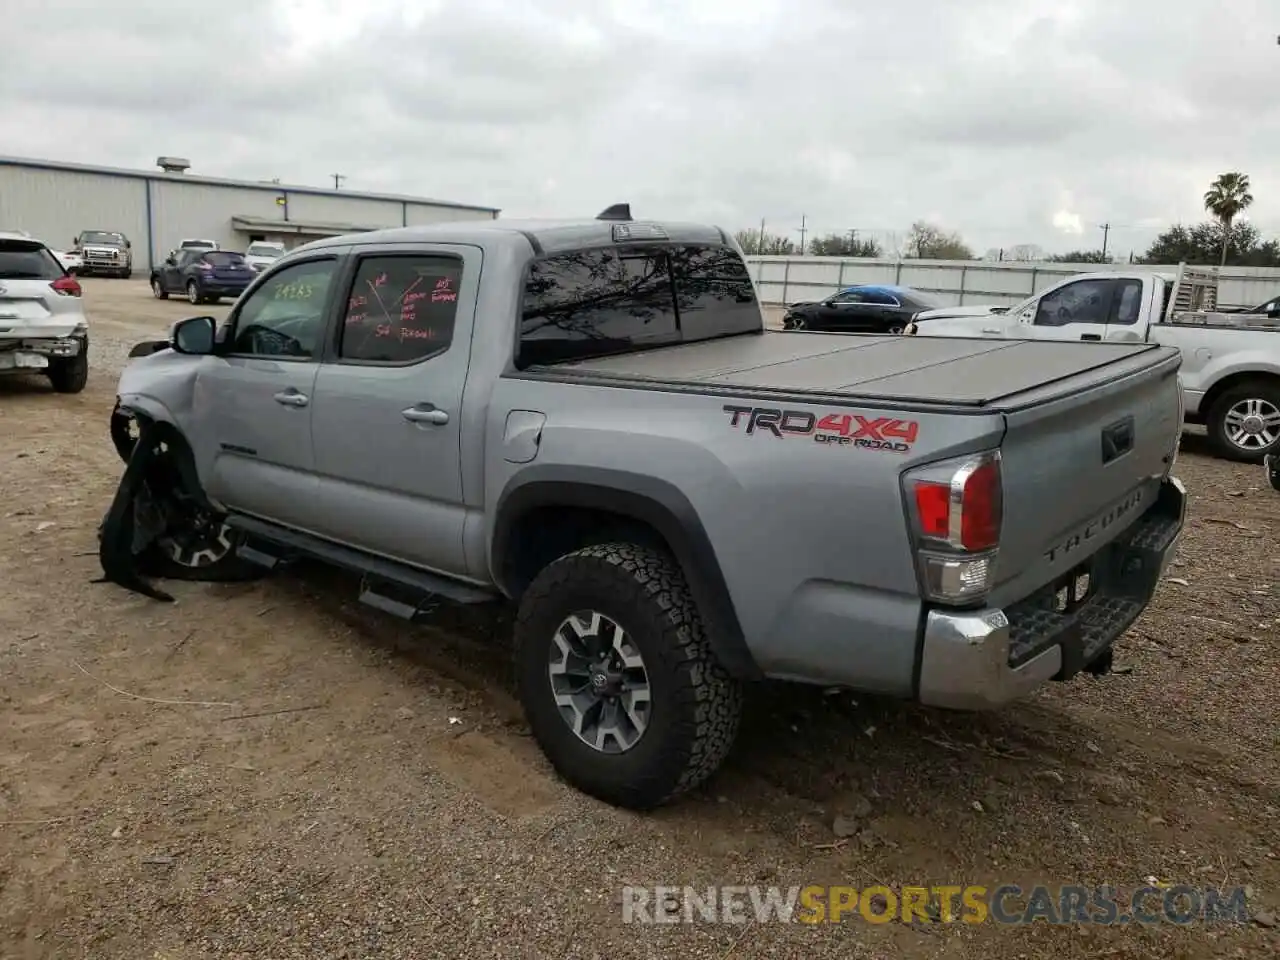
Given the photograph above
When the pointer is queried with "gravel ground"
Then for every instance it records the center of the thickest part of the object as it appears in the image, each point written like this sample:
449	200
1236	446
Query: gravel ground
273	771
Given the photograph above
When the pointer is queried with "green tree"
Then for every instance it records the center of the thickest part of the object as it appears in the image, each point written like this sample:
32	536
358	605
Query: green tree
1084	256
1204	244
1228	197
844	245
928	242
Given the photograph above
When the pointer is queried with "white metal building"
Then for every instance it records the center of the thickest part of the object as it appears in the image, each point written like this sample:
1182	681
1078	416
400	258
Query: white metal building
156	209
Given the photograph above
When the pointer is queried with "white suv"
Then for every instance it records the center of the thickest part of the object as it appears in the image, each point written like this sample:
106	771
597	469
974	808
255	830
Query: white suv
42	323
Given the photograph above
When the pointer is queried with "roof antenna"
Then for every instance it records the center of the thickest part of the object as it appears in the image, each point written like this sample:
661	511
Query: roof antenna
619	211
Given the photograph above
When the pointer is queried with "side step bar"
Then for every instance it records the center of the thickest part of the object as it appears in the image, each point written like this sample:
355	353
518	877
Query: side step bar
391	587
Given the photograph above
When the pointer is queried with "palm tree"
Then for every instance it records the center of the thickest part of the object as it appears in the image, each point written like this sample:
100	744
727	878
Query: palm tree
1228	197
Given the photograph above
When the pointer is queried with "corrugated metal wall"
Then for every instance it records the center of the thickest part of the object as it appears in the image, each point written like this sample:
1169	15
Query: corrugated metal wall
202	211
790	279
55	205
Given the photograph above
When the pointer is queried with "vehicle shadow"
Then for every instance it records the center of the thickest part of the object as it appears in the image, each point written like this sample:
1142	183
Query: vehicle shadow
803	754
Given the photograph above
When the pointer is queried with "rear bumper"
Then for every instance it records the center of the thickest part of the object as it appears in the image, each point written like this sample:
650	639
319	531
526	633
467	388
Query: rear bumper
221	289
982	659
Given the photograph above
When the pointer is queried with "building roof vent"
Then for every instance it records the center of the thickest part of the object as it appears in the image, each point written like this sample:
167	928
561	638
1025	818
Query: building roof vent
173	164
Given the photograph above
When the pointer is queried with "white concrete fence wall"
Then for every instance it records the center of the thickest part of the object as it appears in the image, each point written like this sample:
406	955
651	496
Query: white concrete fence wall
782	280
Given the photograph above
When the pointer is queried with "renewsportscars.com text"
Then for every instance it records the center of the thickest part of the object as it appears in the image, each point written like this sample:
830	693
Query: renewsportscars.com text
972	904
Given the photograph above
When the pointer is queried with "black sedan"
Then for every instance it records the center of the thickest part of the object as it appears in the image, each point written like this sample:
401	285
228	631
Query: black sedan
204	276
864	308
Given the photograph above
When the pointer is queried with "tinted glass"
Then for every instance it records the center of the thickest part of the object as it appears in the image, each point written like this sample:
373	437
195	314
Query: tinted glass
285	315
257	251
714	295
401	309
849	296
1128	298
1085	301
225	259
880	298
23	260
99	236
595	302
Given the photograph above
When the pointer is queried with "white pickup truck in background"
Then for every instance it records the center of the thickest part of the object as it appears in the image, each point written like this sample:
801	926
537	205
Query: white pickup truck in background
1230	361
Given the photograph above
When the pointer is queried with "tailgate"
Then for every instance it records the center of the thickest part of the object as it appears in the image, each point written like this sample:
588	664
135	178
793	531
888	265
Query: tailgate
1081	464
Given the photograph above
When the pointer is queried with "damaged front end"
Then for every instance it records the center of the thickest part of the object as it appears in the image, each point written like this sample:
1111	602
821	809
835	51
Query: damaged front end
160	524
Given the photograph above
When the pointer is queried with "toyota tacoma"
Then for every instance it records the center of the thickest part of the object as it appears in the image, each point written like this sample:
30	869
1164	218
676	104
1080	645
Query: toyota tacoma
590	420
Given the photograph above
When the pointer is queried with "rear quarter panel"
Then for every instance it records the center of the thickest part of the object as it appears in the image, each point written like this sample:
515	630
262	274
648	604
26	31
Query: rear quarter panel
810	537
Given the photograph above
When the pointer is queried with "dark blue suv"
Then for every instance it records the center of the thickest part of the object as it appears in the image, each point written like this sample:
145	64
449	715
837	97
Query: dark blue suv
205	276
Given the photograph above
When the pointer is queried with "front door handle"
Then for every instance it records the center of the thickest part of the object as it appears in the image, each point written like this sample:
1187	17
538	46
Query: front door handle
1090	336
292	398
425	413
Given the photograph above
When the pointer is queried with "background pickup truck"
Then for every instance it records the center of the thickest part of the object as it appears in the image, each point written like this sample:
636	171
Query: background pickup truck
103	252
1230	361
589	419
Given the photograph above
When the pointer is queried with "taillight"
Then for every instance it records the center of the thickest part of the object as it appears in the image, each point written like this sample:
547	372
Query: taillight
67	286
956	509
204	267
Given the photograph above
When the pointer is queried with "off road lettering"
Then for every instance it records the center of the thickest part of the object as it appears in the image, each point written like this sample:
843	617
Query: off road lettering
834	429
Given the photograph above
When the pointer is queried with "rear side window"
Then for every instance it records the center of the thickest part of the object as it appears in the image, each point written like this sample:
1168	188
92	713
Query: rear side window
24	260
401	309
1128	299
593	303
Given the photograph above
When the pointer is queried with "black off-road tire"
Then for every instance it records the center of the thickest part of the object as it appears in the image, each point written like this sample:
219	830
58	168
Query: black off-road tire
696	705
193	293
1215	422
70	374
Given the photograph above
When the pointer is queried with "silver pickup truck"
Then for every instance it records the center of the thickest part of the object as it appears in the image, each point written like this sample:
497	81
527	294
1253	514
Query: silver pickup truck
589	419
1230	361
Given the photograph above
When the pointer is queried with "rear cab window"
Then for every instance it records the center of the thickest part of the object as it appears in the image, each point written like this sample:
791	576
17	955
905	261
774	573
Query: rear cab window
28	260
601	302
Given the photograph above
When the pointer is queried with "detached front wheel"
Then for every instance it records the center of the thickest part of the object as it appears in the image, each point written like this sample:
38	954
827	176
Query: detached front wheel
617	677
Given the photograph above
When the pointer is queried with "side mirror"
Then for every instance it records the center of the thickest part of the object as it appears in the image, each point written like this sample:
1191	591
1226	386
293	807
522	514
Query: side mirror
194	336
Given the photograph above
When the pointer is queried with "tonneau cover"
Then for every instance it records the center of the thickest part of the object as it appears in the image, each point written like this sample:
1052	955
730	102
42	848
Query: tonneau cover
931	370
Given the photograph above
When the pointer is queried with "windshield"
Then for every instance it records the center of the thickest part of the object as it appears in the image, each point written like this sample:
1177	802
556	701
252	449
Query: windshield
196	245
264	250
25	260
102	236
224	259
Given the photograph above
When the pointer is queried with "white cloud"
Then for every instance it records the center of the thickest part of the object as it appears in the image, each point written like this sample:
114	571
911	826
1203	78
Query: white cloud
1026	122
1068	222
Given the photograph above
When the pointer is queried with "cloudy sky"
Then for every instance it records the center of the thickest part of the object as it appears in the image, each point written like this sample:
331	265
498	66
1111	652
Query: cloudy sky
1010	121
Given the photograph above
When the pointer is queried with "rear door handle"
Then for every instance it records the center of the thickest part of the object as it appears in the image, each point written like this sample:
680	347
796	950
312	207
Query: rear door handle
425	413
292	398
1090	336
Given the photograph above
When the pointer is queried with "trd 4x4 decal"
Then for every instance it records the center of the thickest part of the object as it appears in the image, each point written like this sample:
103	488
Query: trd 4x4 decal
840	429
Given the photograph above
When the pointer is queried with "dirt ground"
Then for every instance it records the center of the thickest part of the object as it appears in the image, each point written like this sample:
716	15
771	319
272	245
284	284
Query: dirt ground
273	771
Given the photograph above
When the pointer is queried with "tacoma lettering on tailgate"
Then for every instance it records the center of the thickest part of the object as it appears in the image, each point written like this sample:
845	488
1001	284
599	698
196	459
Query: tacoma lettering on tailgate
839	429
1096	526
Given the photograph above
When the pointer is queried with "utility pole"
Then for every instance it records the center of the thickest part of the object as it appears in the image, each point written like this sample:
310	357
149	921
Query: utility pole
803	231
760	249
1106	229
337	180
